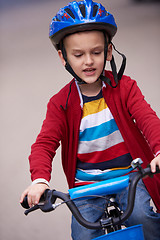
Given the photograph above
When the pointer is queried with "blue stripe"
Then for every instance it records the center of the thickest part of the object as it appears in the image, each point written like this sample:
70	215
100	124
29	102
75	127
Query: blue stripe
100	131
80	175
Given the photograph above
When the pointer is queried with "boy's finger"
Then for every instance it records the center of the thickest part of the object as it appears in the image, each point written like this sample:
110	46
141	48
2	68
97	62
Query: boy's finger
37	198
23	196
153	167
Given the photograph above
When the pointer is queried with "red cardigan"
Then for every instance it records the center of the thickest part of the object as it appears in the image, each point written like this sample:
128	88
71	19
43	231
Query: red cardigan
132	114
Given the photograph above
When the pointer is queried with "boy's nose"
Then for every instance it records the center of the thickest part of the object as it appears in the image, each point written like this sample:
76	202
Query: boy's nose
88	59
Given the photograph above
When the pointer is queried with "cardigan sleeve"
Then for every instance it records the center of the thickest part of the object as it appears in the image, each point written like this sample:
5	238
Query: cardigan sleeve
143	115
47	142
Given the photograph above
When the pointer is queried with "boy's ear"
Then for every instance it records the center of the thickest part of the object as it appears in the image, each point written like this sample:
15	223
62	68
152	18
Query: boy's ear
109	53
61	57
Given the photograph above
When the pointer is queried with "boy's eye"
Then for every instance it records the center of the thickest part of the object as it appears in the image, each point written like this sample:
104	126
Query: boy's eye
78	55
97	52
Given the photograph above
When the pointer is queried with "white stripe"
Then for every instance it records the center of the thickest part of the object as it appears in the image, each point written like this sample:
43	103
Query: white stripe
96	119
95	171
80	181
100	144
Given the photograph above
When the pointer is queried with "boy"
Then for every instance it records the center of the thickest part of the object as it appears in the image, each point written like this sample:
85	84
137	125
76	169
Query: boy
99	117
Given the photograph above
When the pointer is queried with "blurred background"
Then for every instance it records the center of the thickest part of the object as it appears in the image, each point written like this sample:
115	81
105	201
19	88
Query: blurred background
30	73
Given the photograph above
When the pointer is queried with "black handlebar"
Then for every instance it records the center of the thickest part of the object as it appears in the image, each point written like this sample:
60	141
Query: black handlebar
48	199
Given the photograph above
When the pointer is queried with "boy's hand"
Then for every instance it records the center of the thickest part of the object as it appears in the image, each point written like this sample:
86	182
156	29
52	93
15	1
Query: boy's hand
155	162
34	192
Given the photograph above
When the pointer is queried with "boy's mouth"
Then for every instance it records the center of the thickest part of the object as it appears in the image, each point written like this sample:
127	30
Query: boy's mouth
89	71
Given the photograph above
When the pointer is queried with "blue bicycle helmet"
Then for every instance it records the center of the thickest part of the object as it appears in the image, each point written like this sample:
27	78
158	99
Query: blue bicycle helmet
81	16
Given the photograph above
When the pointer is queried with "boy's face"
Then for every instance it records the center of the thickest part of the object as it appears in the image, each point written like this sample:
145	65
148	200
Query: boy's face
85	54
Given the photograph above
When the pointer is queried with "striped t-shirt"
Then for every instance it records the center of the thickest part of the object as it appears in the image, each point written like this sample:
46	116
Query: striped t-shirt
102	153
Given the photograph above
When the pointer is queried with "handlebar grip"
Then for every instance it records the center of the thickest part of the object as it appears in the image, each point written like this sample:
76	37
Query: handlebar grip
24	204
147	171
157	170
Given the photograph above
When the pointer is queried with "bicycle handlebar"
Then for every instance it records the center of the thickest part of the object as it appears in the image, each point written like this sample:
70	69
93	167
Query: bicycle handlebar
48	199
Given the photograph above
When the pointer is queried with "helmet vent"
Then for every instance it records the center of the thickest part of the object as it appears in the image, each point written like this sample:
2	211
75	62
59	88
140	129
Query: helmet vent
70	12
95	9
82	9
56	19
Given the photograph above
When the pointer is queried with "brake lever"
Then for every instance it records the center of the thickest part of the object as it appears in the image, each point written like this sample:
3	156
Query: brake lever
46	203
47	206
31	209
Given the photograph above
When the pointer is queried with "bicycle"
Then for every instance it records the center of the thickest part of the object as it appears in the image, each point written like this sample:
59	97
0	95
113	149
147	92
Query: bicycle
114	218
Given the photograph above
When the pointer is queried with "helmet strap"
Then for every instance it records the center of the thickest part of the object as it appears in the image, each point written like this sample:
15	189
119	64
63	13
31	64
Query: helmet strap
123	65
68	66
116	76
